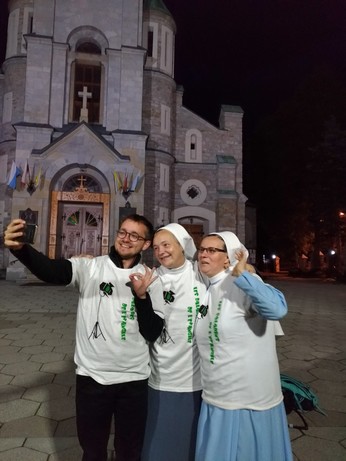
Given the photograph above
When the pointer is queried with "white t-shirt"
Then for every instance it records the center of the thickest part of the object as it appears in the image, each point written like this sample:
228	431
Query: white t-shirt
239	365
109	346
174	357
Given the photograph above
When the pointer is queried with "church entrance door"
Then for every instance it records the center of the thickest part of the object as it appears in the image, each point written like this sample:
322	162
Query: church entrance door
196	232
79	224
81	229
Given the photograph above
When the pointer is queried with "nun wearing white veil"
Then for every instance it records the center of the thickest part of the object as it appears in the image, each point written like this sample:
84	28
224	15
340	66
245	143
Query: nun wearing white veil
242	415
174	383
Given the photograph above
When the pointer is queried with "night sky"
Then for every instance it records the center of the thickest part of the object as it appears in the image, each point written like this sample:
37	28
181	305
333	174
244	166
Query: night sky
254	53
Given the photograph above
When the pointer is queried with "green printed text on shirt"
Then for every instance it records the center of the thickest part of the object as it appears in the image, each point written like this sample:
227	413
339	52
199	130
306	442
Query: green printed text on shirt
211	343
213	332
189	324
123	321
132	309
196	294
216	321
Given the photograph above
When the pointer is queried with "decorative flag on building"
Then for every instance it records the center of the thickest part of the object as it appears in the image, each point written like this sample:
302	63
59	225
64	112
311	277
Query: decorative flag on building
127	182
38	177
15	171
25	179
117	181
137	181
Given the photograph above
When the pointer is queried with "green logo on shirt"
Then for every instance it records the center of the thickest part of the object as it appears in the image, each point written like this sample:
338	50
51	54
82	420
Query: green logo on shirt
106	288
168	296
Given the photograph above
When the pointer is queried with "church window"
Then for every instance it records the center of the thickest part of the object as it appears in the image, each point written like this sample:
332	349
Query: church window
12	33
193	146
73	219
82	181
7	107
163	216
150	42
27	26
167	50
88	47
90	220
3	173
164	178
87	76
165	119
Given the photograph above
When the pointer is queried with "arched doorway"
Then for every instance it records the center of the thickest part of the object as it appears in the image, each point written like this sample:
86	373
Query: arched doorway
195	227
79	221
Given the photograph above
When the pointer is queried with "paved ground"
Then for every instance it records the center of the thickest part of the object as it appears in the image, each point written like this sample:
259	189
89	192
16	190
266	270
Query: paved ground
37	324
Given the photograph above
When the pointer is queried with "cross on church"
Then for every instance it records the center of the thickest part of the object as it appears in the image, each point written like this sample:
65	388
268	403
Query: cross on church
81	180
84	111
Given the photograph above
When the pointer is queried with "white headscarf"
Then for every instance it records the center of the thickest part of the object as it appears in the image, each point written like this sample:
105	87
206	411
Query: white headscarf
183	237
233	245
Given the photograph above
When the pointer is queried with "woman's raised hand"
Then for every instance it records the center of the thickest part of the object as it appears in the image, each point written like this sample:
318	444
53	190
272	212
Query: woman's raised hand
140	282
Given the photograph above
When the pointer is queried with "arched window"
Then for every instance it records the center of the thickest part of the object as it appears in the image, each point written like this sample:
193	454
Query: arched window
150	42
88	47
87	60
82	181
193	146
87	91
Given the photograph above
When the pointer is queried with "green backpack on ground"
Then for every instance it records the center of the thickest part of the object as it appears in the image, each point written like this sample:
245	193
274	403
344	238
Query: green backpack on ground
298	397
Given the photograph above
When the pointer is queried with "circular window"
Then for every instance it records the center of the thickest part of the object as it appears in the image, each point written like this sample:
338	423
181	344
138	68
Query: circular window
193	192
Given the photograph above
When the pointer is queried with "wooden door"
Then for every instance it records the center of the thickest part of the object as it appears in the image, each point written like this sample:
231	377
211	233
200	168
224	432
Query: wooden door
81	229
196	231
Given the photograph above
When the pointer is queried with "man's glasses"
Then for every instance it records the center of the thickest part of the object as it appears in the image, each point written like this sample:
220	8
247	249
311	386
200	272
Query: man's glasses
133	236
210	250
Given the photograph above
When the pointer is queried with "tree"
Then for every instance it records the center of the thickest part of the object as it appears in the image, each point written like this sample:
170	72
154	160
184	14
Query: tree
286	162
326	187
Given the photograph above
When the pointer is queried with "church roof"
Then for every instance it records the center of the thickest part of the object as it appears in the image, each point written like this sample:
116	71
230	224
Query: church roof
156	5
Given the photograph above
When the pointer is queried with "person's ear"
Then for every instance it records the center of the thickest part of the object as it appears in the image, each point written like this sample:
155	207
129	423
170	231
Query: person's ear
146	245
227	263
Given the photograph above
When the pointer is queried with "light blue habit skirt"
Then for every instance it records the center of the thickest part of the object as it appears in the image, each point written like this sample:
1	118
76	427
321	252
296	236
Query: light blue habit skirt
243	435
171	428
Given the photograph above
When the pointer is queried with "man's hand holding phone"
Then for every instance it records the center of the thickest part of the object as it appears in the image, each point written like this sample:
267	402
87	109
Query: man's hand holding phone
18	232
29	233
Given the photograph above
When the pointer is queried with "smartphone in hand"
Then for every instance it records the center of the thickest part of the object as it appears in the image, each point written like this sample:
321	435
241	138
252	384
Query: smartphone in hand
29	233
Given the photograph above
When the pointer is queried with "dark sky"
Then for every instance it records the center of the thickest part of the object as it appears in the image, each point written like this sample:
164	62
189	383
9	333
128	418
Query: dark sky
252	53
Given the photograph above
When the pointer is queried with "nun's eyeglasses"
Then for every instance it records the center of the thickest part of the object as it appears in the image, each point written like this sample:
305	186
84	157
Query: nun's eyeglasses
210	250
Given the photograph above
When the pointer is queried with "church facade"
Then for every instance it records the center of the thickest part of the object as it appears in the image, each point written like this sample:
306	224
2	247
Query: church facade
93	128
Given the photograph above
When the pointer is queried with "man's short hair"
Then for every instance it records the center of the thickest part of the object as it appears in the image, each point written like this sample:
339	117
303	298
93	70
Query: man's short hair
142	220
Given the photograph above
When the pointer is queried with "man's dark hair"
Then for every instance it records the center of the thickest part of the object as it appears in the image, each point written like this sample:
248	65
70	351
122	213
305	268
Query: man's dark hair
143	220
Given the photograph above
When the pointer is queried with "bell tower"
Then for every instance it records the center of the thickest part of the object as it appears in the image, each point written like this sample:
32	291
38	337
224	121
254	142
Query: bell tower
20	23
